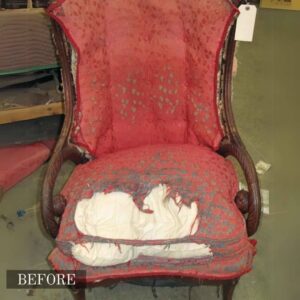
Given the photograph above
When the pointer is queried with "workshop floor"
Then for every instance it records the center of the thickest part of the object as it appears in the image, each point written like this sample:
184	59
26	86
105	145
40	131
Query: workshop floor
266	92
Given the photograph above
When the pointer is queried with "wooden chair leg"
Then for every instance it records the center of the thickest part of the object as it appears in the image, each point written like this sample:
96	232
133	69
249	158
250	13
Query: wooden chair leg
78	294
228	289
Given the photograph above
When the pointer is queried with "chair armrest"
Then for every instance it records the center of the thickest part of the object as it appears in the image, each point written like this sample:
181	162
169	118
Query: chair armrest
248	202
53	207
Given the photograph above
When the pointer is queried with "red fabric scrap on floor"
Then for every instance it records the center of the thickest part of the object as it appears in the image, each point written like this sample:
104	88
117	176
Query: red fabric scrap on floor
17	162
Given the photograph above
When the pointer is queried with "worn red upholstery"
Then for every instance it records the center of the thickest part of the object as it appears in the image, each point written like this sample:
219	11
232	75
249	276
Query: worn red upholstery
194	172
220	268
147	70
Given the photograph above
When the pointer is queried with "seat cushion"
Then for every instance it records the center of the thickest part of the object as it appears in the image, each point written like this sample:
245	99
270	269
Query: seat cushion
195	173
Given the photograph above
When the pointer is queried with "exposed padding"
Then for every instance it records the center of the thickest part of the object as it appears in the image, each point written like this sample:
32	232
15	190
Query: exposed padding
104	254
170	219
115	215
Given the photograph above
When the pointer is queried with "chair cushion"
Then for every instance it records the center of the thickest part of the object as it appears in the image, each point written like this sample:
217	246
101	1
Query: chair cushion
195	173
146	71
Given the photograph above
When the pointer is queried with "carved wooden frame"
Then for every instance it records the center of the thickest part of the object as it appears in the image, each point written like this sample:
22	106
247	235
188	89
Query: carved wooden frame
248	202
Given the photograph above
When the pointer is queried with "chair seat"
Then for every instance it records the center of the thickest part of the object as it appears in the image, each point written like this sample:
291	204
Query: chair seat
195	173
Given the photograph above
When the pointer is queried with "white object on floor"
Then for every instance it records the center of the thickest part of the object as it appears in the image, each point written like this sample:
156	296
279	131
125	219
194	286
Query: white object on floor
245	23
114	215
265	199
262	167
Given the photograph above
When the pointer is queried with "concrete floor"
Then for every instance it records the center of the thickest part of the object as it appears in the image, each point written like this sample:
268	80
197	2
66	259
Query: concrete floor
266	108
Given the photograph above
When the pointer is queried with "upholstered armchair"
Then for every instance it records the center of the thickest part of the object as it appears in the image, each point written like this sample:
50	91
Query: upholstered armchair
149	123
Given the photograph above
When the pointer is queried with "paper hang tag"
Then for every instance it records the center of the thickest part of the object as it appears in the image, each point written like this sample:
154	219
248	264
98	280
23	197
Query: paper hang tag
245	23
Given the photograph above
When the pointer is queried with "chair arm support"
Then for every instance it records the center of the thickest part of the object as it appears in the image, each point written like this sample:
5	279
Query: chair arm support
254	200
248	202
53	207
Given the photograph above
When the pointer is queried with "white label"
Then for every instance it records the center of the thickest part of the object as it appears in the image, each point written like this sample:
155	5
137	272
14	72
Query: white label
265	199
245	23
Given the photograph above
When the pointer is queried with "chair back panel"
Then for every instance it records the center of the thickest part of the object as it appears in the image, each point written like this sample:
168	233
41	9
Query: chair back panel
146	71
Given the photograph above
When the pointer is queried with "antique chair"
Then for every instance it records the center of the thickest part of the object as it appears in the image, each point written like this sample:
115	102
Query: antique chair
148	120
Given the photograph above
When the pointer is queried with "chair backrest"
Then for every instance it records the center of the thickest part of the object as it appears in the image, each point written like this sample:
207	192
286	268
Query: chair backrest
146	71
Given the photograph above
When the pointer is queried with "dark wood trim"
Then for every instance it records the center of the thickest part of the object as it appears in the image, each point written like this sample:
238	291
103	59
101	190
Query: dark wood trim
232	144
63	150
78	294
239	2
228	287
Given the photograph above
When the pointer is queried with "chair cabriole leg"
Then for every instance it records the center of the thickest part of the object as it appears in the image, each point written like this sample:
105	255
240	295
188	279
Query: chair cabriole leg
78	294
228	289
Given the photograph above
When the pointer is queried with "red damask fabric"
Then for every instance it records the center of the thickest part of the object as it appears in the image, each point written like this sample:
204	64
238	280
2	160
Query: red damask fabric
147	70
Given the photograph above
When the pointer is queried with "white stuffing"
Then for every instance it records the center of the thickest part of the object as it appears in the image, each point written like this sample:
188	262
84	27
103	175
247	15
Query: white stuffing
111	215
114	215
180	250
103	254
